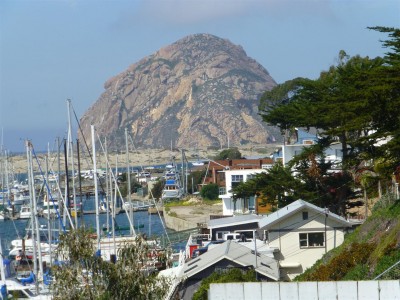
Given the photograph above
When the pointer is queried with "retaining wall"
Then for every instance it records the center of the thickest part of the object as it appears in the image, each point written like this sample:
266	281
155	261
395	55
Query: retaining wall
177	224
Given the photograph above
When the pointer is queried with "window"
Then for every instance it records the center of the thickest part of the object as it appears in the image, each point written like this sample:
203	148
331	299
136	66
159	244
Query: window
252	204
305	215
220	234
222	191
249	234
236	179
314	239
250	176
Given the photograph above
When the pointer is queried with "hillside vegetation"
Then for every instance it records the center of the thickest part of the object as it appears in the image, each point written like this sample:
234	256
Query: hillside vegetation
367	252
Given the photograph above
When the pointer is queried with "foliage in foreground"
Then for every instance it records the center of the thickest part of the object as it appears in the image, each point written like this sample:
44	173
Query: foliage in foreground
233	275
83	275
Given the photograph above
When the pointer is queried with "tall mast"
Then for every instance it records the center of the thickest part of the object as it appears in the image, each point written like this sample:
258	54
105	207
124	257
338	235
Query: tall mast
107	188
129	180
37	251
48	201
96	196
79	179
71	148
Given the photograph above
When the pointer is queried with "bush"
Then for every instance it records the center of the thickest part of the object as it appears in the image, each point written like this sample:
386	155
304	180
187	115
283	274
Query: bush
210	191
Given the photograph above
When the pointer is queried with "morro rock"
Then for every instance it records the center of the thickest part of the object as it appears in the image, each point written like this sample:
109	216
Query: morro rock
200	91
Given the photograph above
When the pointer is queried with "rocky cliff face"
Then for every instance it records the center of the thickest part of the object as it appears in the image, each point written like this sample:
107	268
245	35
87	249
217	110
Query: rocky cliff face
200	91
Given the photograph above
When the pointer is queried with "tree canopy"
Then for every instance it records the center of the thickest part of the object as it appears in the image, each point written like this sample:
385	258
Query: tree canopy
355	102
231	153
83	275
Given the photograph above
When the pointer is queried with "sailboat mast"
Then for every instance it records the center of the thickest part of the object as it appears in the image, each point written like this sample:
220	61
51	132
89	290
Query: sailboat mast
29	161
71	147
37	251
66	203
79	180
129	180
48	201
96	195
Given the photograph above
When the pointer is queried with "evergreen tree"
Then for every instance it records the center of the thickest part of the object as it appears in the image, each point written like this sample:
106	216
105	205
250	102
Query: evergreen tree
231	153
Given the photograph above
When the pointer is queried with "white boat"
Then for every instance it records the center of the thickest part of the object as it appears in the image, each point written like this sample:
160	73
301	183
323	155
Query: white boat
25	212
49	210
21	197
17	290
172	188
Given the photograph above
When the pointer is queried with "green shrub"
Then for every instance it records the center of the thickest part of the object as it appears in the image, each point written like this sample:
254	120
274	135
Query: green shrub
210	191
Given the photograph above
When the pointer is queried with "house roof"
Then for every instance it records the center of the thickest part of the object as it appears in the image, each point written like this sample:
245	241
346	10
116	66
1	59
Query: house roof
234	252
293	208
234	220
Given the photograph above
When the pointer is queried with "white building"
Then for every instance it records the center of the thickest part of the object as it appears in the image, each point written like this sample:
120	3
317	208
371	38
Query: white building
240	206
302	233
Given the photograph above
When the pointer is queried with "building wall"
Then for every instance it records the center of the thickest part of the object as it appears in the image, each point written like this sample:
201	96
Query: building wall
335	290
285	236
227	201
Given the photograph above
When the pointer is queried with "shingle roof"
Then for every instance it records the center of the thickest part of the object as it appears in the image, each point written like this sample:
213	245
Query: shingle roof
234	252
294	207
234	220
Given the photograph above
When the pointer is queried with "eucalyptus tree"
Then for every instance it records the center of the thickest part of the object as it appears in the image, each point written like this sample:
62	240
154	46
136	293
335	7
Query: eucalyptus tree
81	274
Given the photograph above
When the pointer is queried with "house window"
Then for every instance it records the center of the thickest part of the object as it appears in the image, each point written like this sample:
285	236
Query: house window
305	215
250	176
252	204
220	234
222	191
236	180
312	239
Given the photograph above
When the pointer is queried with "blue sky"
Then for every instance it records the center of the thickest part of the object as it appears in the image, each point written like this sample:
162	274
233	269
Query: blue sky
55	50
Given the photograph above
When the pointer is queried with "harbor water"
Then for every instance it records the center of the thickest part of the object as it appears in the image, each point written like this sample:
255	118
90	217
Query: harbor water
145	224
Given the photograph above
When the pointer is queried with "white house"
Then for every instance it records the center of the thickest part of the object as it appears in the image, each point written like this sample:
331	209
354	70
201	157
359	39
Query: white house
302	233
240	206
303	140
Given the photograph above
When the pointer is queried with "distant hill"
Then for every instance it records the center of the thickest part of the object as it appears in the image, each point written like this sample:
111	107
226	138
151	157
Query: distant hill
367	252
200	91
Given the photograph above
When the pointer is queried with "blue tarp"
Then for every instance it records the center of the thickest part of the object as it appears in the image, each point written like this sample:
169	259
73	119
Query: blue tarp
3	292
7	267
30	279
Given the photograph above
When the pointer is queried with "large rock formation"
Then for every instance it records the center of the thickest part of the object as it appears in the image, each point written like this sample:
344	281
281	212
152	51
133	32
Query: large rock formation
200	91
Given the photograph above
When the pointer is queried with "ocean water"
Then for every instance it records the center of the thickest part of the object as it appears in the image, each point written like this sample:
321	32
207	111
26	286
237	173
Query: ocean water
152	225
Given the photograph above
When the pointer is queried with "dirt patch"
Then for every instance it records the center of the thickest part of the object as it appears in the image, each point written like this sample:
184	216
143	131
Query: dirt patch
198	213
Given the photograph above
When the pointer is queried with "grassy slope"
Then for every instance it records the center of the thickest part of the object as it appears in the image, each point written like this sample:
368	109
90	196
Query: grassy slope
367	252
